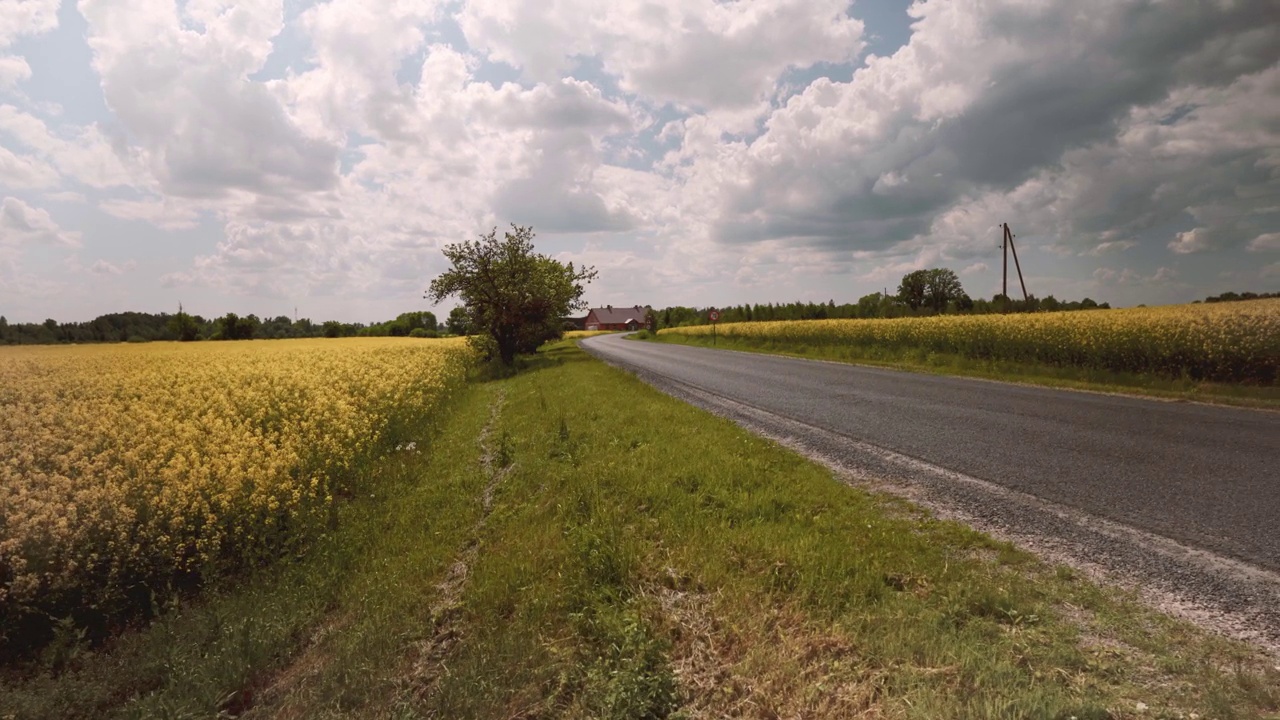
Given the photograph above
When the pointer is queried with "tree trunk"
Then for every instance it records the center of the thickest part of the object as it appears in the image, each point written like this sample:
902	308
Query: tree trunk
507	350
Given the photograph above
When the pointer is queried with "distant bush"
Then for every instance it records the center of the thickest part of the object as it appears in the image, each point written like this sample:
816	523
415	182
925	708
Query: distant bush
423	333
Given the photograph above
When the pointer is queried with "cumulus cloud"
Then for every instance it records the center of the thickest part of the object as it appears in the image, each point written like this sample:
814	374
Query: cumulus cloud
24	171
21	224
18	18
1111	246
85	154
1162	275
1192	241
1265	243
353	83
184	96
26	17
698	53
162	212
993	113
104	267
13	70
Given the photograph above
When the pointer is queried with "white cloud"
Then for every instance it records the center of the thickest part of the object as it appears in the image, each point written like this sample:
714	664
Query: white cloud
1162	275
18	18
19	172
356	55
26	17
87	156
13	70
1265	243
163	213
104	267
1111	246
1195	240
21	224
697	53
66	196
184	97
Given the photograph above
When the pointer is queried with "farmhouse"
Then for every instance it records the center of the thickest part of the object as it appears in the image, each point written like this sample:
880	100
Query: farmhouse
611	318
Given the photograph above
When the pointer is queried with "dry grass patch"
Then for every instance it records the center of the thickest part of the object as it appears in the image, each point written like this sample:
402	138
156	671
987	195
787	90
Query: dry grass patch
776	663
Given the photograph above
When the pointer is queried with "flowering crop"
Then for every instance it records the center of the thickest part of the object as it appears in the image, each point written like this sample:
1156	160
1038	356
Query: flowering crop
1222	342
123	467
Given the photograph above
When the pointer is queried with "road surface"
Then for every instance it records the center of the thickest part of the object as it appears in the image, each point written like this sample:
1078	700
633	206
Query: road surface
1152	482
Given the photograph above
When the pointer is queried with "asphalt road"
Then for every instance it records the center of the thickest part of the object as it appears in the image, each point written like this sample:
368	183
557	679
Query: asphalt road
1204	476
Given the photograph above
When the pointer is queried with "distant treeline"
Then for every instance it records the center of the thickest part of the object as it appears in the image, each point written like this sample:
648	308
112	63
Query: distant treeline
875	305
145	327
1232	296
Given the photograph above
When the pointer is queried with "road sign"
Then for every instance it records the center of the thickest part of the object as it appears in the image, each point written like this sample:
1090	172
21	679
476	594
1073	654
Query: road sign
714	315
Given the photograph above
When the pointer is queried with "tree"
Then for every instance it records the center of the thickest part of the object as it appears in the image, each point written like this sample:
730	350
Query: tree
406	323
183	326
912	289
249	325
869	306
932	288
940	287
512	294
228	327
458	323
234	327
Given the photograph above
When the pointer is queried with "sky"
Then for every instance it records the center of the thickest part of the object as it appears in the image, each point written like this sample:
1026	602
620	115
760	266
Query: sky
314	157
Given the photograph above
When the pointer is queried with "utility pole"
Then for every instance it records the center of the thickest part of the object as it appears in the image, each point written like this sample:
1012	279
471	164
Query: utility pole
1008	245
1004	269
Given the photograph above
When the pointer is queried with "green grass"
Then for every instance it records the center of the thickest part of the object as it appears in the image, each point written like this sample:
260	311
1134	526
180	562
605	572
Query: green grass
1073	378
641	558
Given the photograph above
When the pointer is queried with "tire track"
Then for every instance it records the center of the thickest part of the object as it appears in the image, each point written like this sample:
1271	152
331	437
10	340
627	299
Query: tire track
430	656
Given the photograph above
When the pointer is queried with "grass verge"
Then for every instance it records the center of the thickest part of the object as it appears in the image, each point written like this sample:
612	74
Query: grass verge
1255	396
598	549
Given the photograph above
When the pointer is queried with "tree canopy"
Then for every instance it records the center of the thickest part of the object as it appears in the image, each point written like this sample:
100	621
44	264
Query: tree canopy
930	288
514	297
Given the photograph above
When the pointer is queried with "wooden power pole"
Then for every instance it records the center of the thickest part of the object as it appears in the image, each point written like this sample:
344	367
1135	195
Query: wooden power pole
1007	245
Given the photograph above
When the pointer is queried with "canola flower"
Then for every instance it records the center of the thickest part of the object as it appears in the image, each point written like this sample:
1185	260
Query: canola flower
1220	342
122	467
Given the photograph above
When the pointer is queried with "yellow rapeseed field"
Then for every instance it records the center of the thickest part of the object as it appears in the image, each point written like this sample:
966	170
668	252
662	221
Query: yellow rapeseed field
124	466
1223	342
